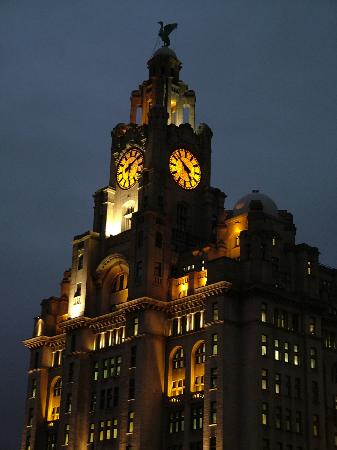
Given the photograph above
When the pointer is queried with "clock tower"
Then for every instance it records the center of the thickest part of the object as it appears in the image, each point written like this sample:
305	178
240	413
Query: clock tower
159	181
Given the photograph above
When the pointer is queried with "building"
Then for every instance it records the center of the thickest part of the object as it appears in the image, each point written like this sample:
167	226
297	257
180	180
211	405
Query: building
182	325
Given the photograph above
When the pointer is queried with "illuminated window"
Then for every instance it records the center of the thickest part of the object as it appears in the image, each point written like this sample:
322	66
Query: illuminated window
119	283
212	415
91	434
80	262
264	379
135	326
33	390
277	383
114	428
66	434
215	311
286	352
313	358
214	377
315	425
199	383
178	387
298	422
296	355
312	326
101	430
95	375
273	241
68	403
276	350
278	418
108	430
237	241
179	359
131	417
264	347
57	358
176	424
264	312
264	414
309	270
214	344
28	445
78	290
197	418
200	354
106	368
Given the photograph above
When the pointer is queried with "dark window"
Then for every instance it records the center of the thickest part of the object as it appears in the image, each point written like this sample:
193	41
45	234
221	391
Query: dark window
179	359
197	321
102	399
157	269
159	240
212	443
176	424
131	388
78	290
73	343
68	403
215	311
30	417
80	262
71	372
116	395
93	401
314	388
109	398
36	359
181	217
133	357
212	416
200	354
140	238
33	390
139	270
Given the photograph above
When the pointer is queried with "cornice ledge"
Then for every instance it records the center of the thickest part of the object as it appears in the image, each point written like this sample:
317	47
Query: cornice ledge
214	288
73	324
102	323
55	342
142	303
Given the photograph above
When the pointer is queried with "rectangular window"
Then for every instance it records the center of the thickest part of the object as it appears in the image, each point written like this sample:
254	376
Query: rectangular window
298	422
71	372
114	428
287	386
287	421
276	350
264	348
314	389
212	443
68	403
30	417
116	395
131	388
212	418
33	390
277	383
176	423
80	262
215	311
95	375
214	344
105	368
214	377
313	358
309	268
102	399
135	326
131	417
93	401
101	430
66	434
157	272
91	434
264	312
264	379
286	352
296	355
315	425
197	418
109	398
133	356
278	418
78	290
312	326
139	271
297	388
118	365
265	444
264	415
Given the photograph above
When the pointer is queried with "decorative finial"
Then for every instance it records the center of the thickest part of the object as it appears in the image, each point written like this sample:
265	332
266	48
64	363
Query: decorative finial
165	31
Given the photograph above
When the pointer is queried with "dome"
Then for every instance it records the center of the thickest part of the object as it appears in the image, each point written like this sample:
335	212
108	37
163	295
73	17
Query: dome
165	51
255	201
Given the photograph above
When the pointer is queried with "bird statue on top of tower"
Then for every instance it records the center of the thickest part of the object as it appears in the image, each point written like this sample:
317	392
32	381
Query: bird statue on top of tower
165	31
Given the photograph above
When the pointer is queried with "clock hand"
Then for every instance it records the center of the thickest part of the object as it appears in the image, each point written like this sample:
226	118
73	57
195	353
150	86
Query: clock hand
187	169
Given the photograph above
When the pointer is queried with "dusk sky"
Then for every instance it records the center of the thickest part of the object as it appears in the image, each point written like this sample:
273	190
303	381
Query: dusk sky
265	77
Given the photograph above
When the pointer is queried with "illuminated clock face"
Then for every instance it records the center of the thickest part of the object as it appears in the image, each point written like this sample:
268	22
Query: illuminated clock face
185	168
129	168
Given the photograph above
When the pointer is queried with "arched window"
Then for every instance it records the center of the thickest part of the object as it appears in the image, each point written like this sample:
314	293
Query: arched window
200	354
176	375
198	357
54	399
119	283
179	359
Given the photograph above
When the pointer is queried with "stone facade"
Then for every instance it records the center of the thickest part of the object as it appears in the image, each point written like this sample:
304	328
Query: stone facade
182	325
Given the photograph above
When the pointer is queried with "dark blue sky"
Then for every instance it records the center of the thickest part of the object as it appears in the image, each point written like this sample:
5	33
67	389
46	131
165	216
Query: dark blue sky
264	72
